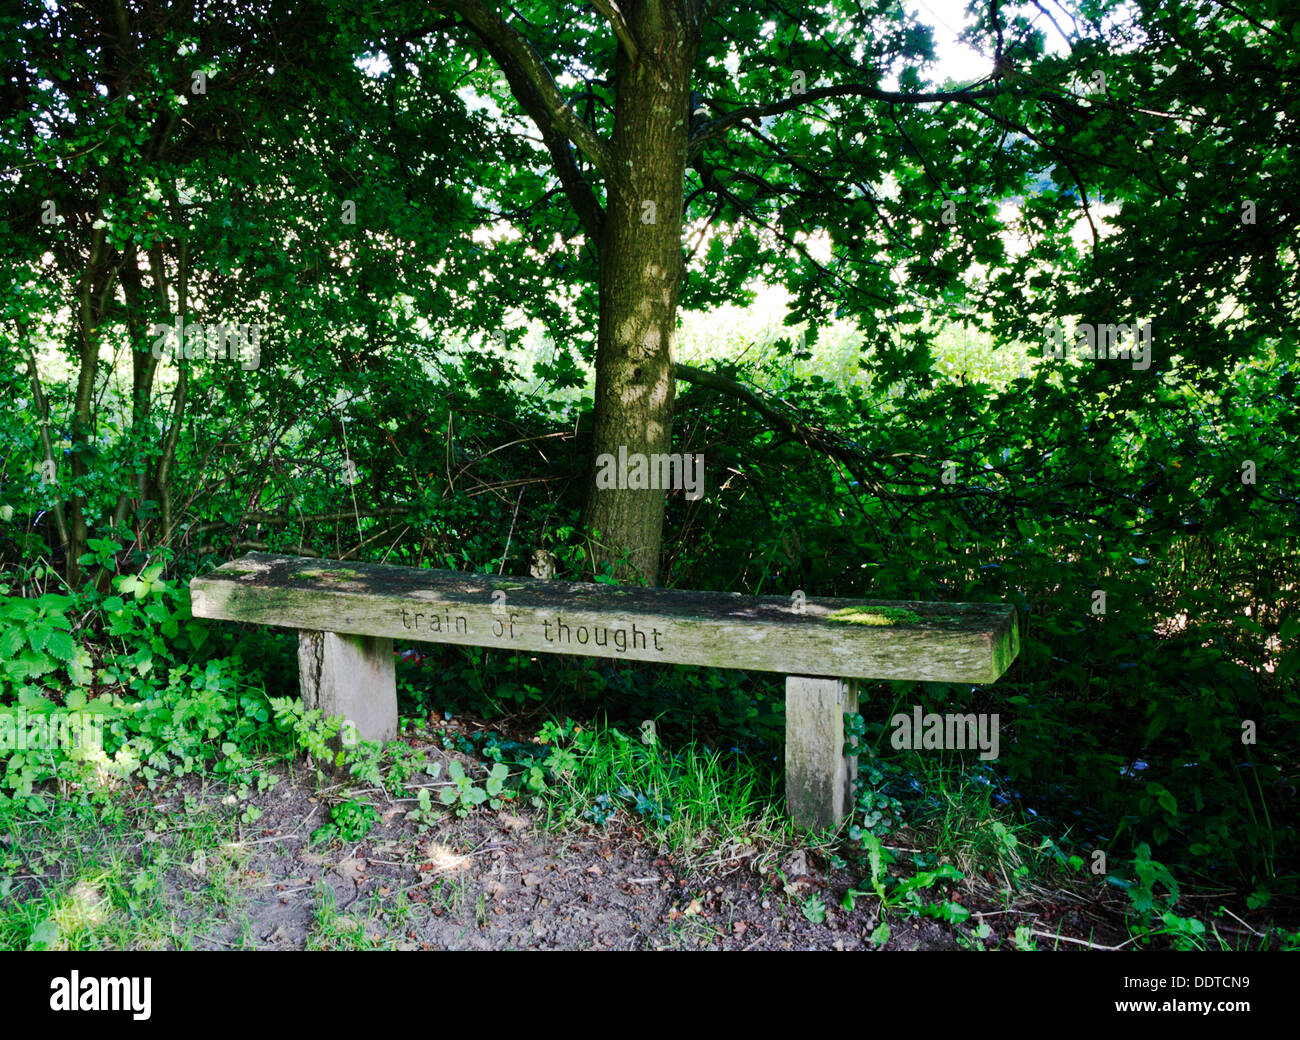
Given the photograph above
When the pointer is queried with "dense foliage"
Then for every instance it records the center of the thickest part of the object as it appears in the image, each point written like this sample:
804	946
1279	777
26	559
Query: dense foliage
420	390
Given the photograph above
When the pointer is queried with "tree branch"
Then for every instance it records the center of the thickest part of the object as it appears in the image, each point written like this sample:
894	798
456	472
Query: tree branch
779	421
531	84
856	462
622	30
43	411
718	126
530	80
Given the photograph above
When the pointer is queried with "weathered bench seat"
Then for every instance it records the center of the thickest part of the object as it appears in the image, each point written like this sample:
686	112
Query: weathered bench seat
348	615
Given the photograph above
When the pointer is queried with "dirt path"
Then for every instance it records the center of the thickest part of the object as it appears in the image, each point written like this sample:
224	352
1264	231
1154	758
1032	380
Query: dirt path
503	880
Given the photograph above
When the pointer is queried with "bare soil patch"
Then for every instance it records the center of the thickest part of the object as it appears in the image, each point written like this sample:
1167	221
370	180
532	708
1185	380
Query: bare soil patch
505	880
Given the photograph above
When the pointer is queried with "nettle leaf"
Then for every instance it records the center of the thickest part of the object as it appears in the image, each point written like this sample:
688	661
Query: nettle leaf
36	664
81	669
62	646
11	641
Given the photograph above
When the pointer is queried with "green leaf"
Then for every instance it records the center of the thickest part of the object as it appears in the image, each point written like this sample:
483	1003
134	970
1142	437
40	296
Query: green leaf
11	641
44	935
61	645
34	664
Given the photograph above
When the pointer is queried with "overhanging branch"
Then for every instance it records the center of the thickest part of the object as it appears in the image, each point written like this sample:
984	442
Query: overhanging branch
529	78
612	14
534	88
722	124
778	420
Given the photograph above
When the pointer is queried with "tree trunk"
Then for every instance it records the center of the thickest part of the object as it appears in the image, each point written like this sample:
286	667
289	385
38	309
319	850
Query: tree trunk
640	278
144	366
91	293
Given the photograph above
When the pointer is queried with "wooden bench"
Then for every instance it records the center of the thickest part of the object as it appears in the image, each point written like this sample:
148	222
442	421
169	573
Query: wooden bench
347	616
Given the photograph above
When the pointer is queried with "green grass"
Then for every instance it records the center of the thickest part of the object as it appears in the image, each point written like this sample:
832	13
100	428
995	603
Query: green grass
334	930
92	875
686	797
169	869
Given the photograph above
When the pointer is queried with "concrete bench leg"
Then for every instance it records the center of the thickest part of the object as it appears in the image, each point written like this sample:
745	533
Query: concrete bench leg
350	676
818	774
